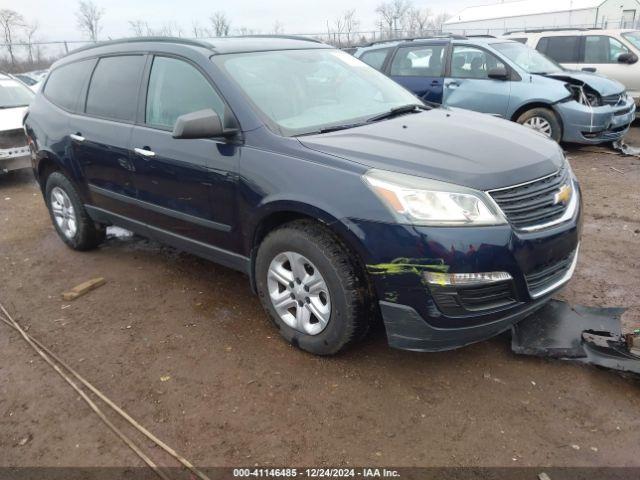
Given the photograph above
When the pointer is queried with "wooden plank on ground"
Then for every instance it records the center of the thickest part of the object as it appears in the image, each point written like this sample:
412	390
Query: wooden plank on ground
83	288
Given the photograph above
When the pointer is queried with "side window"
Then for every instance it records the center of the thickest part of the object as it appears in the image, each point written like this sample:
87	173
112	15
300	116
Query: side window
375	58
602	49
471	62
65	83
419	61
560	49
176	88
113	91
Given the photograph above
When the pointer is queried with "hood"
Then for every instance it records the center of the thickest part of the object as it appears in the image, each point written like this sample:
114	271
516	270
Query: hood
603	85
451	145
11	118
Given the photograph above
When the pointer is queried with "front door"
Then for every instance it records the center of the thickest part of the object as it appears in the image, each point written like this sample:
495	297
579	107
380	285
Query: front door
185	186
468	85
420	69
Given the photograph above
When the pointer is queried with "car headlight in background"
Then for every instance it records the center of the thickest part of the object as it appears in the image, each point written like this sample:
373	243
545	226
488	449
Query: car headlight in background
421	201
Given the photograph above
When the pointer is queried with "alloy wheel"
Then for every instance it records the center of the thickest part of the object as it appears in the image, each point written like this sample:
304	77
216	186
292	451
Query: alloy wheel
539	124
63	212
299	293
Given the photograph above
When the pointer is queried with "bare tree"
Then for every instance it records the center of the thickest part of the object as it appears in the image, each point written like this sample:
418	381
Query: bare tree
220	24
244	31
351	25
30	33
10	21
335	30
139	28
89	16
437	22
393	14
199	31
278	28
418	20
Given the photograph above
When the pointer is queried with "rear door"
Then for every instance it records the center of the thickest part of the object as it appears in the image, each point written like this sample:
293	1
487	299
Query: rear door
566	49
186	186
102	132
420	68
468	85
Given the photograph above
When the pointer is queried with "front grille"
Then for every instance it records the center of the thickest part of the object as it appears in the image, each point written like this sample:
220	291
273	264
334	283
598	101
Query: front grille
463	300
13	138
616	99
548	274
535	202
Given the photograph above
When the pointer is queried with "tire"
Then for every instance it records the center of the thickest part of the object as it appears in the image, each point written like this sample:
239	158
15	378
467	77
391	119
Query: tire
86	235
347	296
547	118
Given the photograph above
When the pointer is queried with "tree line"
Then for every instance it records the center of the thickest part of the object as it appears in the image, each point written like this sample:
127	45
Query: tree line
24	49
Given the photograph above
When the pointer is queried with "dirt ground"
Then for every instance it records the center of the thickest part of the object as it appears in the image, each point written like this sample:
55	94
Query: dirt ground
237	395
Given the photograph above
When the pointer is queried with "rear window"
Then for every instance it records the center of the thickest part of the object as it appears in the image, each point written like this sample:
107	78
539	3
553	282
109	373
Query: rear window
14	94
560	49
113	92
65	83
375	58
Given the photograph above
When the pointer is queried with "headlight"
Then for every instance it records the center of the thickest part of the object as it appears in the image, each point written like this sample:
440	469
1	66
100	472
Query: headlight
421	201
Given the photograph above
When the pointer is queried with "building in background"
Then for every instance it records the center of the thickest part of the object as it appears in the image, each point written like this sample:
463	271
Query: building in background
498	18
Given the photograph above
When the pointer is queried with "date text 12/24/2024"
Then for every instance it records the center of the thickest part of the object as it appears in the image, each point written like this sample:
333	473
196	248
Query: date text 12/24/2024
285	473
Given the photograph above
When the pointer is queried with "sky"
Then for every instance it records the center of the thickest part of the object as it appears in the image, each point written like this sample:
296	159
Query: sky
57	21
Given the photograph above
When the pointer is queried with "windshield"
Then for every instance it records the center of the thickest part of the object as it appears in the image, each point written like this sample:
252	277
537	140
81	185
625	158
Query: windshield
527	58
14	94
633	37
305	91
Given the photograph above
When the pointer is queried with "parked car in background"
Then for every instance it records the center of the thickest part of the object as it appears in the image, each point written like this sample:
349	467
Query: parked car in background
341	195
612	53
510	80
15	98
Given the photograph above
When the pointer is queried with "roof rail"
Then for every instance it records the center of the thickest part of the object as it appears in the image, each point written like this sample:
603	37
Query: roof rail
285	37
481	36
421	37
541	30
184	41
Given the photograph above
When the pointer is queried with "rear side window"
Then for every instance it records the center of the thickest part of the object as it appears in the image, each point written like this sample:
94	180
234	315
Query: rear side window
420	61
65	83
602	49
113	91
176	88
561	49
375	58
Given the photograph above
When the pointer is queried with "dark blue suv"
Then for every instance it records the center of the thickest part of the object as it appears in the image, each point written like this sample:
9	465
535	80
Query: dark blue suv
341	195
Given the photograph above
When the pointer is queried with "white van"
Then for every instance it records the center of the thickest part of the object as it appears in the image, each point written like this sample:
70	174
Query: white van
612	53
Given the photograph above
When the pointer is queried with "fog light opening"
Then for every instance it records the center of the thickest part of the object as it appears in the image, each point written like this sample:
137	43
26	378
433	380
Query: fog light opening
461	279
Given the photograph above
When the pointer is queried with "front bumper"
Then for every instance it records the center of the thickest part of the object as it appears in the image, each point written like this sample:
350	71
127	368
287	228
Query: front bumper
593	125
14	158
425	317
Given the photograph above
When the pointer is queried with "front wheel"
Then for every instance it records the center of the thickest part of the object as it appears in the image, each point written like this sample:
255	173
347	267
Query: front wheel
542	120
311	288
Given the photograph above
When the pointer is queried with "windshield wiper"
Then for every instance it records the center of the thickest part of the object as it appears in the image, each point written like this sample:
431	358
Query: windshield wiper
335	128
398	111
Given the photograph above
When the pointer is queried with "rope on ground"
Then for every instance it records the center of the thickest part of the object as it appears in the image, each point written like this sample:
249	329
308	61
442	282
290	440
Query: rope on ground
51	358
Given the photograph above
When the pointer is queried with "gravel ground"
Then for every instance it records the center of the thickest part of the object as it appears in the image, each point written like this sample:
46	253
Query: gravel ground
184	347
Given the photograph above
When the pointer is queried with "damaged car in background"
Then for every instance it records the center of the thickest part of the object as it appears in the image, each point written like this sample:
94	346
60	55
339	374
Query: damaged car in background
14	101
510	80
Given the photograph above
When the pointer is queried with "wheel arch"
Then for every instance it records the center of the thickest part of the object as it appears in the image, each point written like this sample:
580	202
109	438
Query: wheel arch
538	104
280	213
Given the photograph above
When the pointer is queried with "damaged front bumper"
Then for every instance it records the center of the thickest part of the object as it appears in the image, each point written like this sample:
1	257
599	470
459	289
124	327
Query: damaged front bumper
594	125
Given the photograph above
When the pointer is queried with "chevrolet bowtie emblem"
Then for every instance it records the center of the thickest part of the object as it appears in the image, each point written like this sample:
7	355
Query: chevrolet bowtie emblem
563	195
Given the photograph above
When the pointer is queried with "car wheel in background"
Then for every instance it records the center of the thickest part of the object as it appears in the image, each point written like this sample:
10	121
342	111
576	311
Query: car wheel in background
69	217
311	288
542	120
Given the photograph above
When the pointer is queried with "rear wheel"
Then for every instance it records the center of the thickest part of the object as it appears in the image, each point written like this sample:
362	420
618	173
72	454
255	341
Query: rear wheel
69	217
542	120
311	288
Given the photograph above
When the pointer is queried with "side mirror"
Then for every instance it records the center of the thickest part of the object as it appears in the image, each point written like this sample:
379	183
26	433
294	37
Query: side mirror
498	73
201	124
627	57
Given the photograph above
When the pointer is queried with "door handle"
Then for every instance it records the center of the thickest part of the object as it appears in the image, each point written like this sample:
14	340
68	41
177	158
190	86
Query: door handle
452	85
77	137
145	152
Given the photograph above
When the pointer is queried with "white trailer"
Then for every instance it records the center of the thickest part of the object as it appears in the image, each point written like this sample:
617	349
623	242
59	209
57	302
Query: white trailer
498	18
